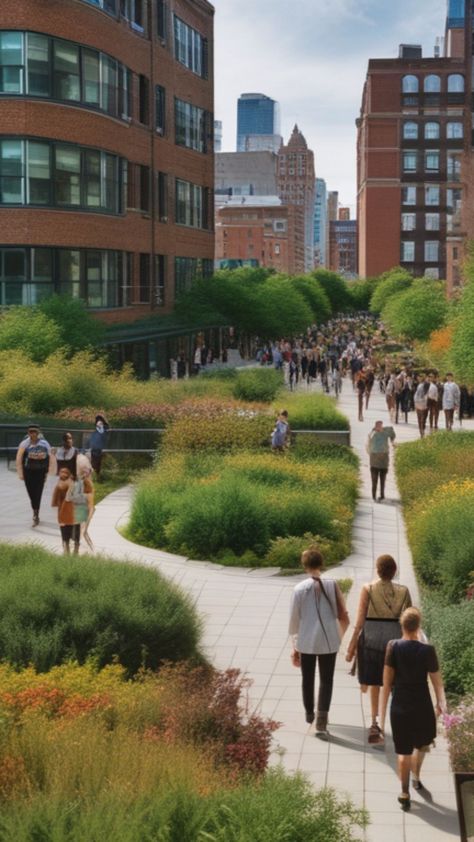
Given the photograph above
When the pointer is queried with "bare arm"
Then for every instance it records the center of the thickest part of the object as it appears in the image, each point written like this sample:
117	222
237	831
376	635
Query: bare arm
342	614
19	462
437	682
388	678
359	623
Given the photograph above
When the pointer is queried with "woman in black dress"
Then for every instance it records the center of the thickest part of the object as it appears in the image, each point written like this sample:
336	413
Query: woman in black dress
408	663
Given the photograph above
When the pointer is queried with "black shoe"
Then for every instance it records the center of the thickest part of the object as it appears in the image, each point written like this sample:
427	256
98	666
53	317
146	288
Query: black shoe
417	785
310	718
36	519
405	802
381	498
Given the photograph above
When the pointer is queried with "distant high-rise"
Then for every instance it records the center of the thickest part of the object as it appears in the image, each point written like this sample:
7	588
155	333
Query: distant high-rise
217	135
296	188
257	114
320	223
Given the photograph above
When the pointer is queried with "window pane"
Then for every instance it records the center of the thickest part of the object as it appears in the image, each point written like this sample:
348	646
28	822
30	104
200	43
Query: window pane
91	77
455	131
38	65
432	251
110	184
41	264
410	131
410	85
109	85
66	71
11	62
408	251
67	176
409	195
69	264
432	84
409	161
432	161
432	194
11	172
432	221
455	83
431	131
160	109
408	221
14	264
92	196
39	173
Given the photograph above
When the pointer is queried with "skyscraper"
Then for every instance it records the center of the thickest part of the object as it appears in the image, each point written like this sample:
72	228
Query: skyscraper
296	188
217	135
257	114
320	223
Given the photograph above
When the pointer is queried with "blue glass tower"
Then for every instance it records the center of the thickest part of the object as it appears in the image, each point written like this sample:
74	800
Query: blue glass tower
456	13
320	223
257	114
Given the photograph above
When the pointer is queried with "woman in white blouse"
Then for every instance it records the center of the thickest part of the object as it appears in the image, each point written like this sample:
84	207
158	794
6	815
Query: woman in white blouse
318	619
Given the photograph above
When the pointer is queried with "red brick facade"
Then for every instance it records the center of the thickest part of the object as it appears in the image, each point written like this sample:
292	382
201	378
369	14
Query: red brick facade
147	55
265	234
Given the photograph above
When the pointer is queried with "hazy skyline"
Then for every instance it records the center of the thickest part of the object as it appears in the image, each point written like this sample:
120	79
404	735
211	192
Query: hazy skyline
311	56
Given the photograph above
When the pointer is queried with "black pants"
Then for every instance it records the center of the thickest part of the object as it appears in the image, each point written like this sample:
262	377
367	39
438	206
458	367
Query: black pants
326	667
375	474
96	460
34	482
71	531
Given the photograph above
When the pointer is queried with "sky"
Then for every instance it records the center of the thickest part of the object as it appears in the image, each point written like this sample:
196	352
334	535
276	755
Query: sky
311	56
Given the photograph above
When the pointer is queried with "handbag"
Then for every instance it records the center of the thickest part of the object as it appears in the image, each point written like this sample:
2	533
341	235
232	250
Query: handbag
76	494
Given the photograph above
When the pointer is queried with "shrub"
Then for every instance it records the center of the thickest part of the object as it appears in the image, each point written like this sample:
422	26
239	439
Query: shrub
451	630
286	552
219	434
257	384
313	412
335	288
390	283
459	726
416	312
53	609
29	330
78	328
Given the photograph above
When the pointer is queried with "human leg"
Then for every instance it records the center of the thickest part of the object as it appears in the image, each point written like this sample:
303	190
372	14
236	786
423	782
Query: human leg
34	483
404	767
383	477
361	405
449	415
326	667
374	473
66	532
76	537
308	670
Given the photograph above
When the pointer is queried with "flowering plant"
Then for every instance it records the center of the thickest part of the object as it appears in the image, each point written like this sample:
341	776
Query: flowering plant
459	725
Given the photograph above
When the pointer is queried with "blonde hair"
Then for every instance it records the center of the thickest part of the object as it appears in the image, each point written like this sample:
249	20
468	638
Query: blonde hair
410	620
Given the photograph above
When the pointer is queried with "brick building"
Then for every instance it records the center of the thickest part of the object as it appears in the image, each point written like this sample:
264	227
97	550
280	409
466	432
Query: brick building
106	152
258	231
296	187
343	246
415	165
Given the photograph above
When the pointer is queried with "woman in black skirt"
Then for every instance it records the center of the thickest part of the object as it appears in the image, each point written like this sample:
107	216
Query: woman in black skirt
408	663
381	605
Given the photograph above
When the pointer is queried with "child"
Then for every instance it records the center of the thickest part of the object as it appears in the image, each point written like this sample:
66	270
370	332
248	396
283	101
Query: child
73	500
280	435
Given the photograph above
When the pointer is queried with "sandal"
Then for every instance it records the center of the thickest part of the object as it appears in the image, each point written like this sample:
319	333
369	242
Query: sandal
375	735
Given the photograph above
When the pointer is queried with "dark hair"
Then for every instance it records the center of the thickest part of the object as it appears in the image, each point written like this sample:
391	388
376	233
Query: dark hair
100	418
33	427
410	620
284	412
66	435
386	566
312	559
449	374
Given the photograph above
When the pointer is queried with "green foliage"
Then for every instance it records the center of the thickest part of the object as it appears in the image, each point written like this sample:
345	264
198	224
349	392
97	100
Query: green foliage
389	284
30	331
257	384
416	312
314	295
221	434
462	351
451	629
361	292
313	412
78	329
55	609
336	290
286	552
278	808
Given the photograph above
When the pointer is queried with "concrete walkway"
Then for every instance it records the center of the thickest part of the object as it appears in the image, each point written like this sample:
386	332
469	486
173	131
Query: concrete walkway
246	617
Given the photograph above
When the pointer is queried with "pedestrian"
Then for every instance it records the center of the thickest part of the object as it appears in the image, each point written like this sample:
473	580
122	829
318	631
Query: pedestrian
318	619
66	455
408	664
421	404
73	499
97	443
451	400
360	388
433	402
379	456
381	604
281	433
369	383
34	459
390	397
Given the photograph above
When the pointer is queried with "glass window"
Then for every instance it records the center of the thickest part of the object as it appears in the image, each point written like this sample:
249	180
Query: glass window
109	85
96	271
431	131
125	92
190	126
454	131
409	161
431	161
66	71
41	264
162	197
188	46
39	77
432	221
189	204
408	221
160	109
161	19
455	83
431	251
39	173
431	194
91	77
160	280
110	183
11	62
453	162
454	198
408	252
68	175
433	273
92	179
410	85
410	131
432	84
409	195
144	287
69	266
12	172
14	275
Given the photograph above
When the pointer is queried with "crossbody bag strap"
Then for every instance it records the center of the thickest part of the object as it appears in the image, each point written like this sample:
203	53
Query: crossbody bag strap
318	610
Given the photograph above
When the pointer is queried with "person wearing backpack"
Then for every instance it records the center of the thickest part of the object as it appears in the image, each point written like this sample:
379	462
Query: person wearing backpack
318	620
73	500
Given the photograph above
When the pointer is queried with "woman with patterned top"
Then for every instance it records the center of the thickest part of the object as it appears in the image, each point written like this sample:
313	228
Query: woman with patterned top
381	604
34	460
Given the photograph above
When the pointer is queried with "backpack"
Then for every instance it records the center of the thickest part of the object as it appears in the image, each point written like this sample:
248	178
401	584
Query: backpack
76	494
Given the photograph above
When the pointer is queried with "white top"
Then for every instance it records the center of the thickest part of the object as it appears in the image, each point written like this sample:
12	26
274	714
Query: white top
451	396
313	618
433	392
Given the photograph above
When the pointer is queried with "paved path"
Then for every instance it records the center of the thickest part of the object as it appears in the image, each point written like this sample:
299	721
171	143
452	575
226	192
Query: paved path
246	616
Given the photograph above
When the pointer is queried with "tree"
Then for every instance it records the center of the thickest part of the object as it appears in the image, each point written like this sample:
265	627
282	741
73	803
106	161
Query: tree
78	329
462	349
31	331
390	283
335	288
314	295
361	292
416	312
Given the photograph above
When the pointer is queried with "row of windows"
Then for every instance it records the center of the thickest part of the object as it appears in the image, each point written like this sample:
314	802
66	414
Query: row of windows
37	65
431	196
189	269
431	251
28	275
133	11
432	130
190	48
430	161
34	172
192	202
431	84
431	221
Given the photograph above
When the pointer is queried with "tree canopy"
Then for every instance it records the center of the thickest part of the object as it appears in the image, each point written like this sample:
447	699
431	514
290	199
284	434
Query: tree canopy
389	284
462	348
315	296
335	288
417	311
78	328
29	330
